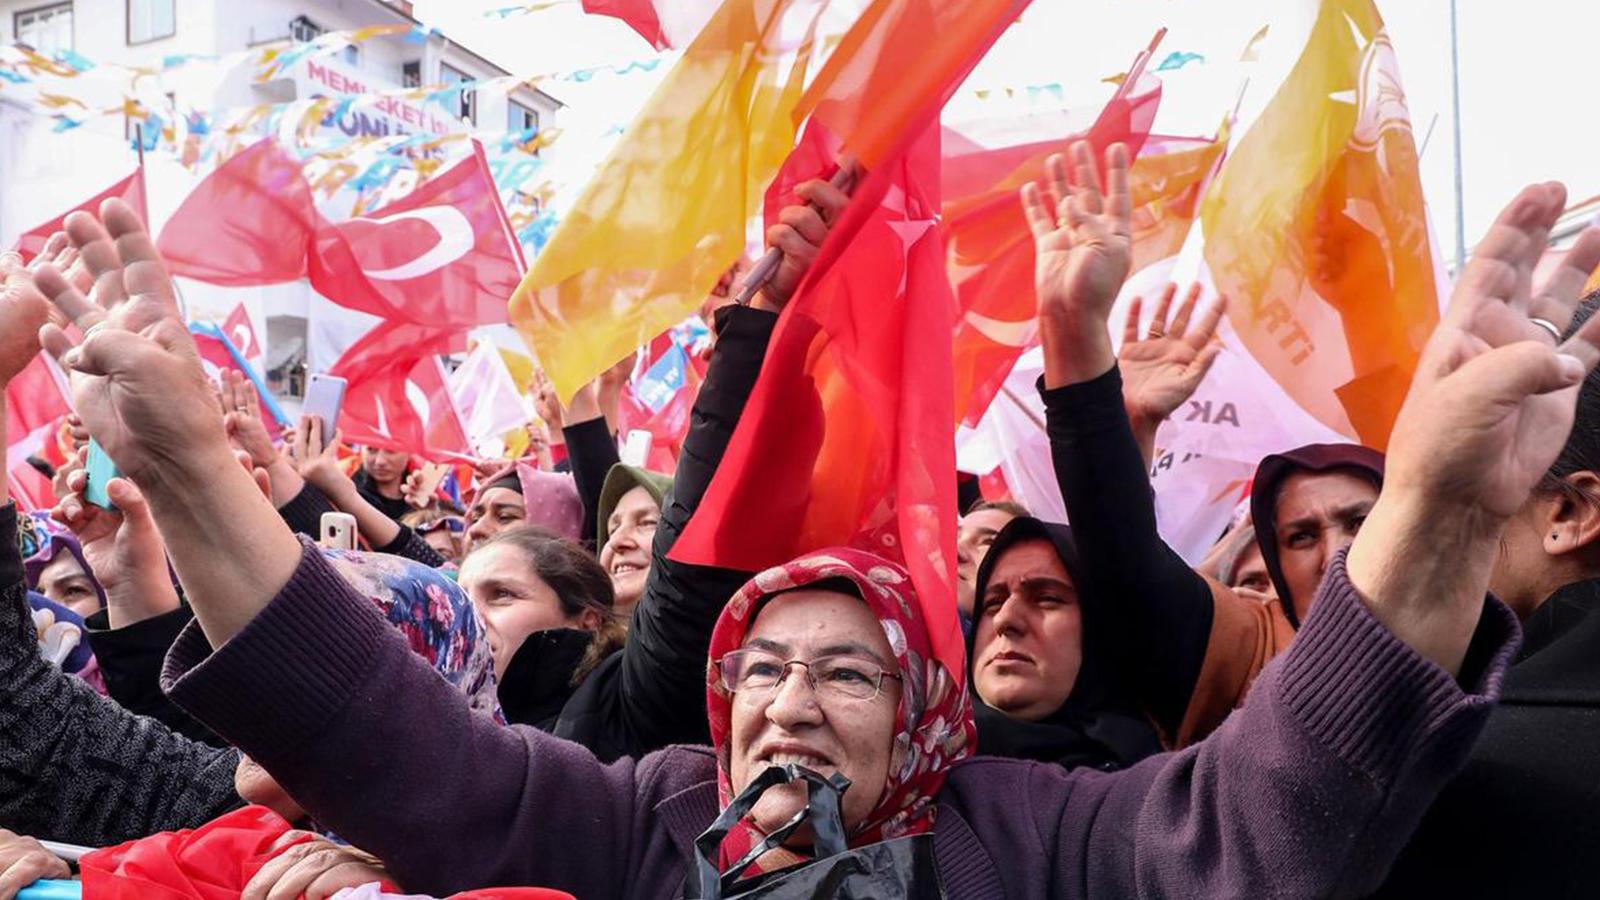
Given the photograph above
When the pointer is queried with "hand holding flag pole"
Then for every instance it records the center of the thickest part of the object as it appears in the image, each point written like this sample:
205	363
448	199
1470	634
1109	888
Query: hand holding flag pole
843	178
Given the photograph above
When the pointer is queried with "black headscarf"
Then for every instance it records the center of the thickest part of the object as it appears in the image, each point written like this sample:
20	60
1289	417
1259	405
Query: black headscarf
1101	724
1270	476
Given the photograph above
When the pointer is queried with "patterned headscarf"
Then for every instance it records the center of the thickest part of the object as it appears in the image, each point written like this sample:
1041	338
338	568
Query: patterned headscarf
933	726
435	615
549	499
41	539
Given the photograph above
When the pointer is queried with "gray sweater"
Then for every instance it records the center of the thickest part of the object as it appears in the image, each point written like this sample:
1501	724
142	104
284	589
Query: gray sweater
1309	790
75	766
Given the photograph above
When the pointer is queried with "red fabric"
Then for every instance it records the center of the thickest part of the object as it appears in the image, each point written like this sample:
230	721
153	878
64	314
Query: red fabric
130	189
901	59
847	437
441	256
212	862
990	249
639	14
249	223
385	369
36	402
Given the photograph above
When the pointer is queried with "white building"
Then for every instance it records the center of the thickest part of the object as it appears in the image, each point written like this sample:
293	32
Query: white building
143	32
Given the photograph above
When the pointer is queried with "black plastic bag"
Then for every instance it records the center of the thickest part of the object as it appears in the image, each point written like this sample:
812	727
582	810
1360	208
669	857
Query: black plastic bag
901	869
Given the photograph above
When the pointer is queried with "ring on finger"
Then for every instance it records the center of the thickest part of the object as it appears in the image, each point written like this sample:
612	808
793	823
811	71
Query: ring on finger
1547	325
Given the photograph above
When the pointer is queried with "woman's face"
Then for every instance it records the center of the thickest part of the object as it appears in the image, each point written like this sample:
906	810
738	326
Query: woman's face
492	512
626	555
385	466
1029	640
513	601
792	722
64	581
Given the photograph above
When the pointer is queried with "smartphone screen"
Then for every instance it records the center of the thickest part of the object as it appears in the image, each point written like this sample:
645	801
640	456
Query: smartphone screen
324	398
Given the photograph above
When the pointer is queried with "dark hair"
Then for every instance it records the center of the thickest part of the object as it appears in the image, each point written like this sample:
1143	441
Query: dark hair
576	578
1006	506
1582	449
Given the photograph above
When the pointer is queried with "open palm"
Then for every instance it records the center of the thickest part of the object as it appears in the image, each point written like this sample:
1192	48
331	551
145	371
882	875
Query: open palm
1083	237
1162	370
1493	400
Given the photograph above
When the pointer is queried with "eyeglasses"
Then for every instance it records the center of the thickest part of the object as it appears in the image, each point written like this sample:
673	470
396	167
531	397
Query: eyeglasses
456	524
838	676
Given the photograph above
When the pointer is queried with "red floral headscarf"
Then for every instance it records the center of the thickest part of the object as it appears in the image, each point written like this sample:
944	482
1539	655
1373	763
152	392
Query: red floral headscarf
933	726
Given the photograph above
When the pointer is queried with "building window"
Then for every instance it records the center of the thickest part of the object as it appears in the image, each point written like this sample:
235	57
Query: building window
47	29
303	29
519	117
151	20
411	74
469	105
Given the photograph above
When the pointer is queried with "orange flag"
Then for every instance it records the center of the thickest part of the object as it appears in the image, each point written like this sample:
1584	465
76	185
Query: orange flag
1316	229
664	216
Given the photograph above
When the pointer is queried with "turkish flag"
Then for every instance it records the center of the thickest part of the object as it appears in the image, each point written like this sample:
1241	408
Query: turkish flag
990	249
242	332
36	402
442	256
664	23
848	435
130	189
249	223
218	353
398	397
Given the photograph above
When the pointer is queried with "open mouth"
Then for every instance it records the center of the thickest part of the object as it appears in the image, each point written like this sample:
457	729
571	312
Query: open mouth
805	758
623	568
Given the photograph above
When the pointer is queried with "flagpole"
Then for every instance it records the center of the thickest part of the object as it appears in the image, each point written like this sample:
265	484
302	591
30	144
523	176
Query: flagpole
767	266
1455	107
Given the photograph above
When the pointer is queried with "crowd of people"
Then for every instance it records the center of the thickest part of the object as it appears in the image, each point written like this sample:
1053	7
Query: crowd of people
1381	681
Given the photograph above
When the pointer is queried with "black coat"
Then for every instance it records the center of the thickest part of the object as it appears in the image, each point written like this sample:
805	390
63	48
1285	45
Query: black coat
652	693
1523	818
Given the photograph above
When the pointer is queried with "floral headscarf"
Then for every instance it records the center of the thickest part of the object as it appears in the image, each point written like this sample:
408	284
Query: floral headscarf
933	726
435	615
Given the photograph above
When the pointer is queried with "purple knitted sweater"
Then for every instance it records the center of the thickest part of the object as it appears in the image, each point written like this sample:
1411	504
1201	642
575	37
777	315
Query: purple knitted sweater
1309	790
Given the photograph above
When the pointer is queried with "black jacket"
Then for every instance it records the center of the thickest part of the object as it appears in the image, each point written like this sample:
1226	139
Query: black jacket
652	693
130	658
1523	818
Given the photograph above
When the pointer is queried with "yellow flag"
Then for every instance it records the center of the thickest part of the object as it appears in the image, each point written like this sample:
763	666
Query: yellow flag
665	214
1316	230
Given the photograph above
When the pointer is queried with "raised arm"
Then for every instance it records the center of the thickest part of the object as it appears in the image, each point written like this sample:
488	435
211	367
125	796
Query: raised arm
74	766
1317	783
654	693
1163	608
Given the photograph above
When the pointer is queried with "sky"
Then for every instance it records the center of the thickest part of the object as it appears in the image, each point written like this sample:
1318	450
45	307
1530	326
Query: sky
1524	68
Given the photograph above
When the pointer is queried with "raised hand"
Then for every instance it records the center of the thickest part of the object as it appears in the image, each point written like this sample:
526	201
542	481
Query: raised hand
23	310
1163	369
241	416
123	548
800	231
59	252
317	459
1489	409
1083	242
137	380
544	397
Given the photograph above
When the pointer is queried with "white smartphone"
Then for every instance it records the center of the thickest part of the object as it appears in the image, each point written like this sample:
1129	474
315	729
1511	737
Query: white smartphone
636	448
338	531
324	398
